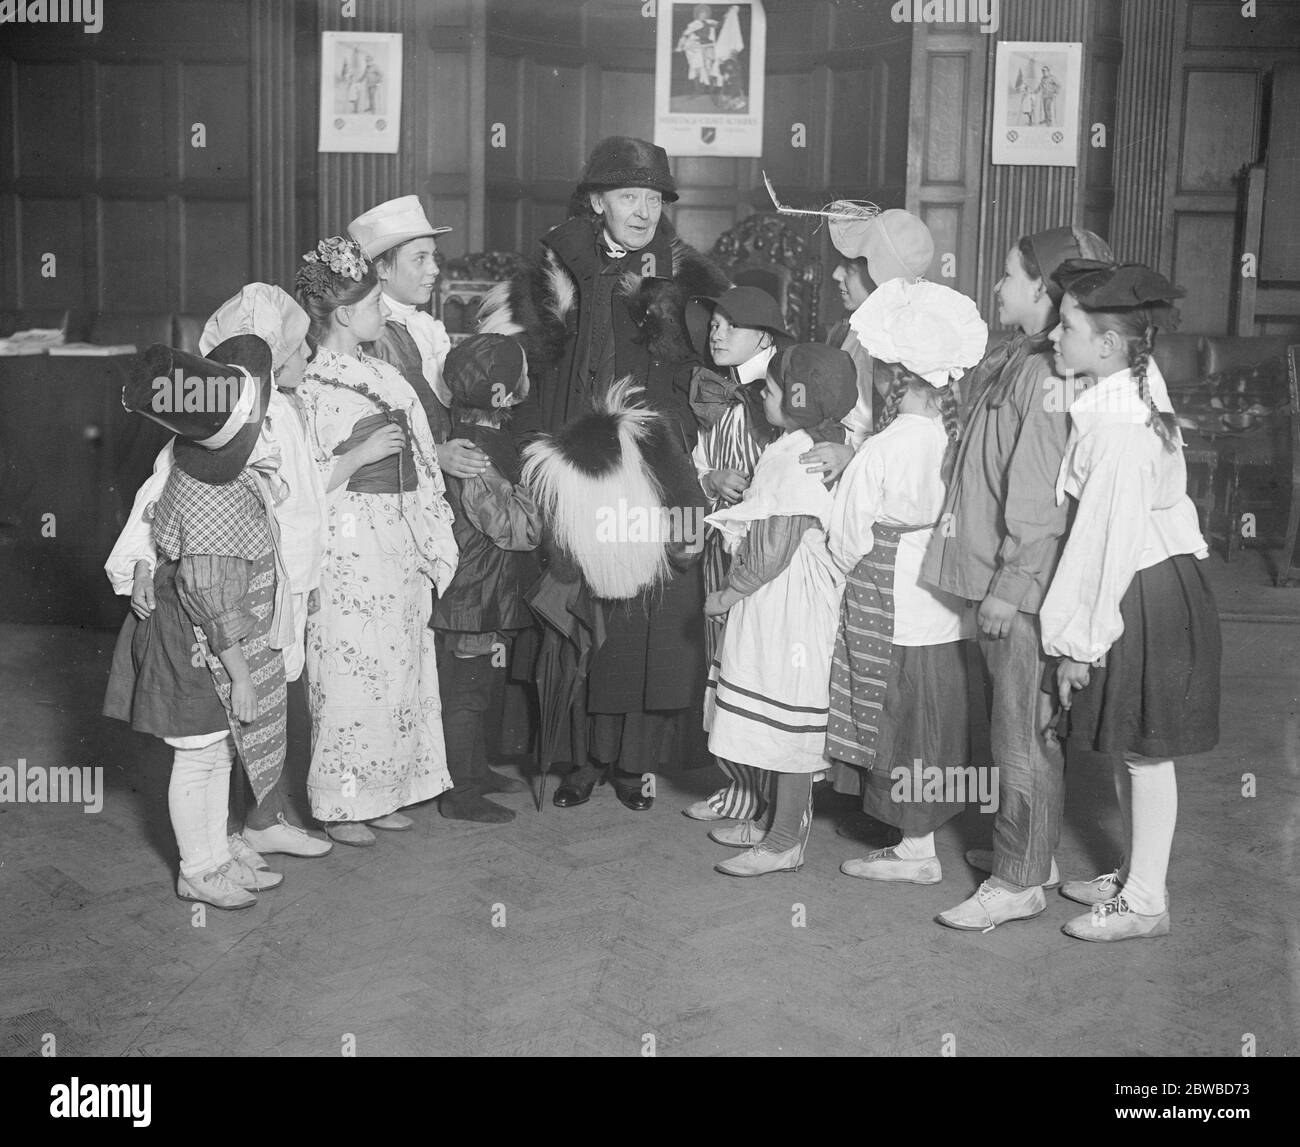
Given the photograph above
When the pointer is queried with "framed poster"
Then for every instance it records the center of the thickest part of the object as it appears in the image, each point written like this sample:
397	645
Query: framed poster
360	91
1036	103
709	78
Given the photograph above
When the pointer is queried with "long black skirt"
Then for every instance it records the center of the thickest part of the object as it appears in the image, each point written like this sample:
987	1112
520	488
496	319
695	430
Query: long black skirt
1158	695
925	723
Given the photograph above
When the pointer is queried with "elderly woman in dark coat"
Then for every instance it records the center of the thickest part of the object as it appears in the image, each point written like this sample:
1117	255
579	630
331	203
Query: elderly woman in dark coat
604	300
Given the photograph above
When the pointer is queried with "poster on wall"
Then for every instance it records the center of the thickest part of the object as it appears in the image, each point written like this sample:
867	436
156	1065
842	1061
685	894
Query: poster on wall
360	91
709	78
1036	103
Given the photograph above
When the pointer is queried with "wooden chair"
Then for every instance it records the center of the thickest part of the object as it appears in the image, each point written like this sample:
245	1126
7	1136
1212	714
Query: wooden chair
1287	568
463	283
764	251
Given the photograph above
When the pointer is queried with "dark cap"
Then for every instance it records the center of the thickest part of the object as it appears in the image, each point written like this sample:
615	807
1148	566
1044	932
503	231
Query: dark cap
485	371
749	307
827	382
1102	286
622	161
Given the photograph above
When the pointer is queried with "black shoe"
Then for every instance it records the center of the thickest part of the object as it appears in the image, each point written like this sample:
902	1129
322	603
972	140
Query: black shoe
630	795
570	795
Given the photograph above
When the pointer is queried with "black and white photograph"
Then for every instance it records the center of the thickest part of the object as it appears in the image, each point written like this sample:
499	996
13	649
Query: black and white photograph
616	528
361	92
1036	103
709	78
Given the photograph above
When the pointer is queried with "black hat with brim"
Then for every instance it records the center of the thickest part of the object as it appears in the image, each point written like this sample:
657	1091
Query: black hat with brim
747	306
622	161
215	405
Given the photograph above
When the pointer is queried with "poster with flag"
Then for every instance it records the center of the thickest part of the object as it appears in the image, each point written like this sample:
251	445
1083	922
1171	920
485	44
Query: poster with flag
709	78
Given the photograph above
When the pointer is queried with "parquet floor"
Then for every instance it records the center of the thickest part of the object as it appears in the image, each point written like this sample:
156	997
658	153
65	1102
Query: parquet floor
616	936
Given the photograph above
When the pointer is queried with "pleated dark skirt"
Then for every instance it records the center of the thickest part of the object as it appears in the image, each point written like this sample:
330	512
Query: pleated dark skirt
926	717
1158	695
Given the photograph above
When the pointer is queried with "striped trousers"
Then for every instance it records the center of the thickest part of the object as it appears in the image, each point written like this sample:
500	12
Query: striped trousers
747	793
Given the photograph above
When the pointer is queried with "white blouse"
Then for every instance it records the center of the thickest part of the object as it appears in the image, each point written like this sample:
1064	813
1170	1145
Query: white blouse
1133	513
894	480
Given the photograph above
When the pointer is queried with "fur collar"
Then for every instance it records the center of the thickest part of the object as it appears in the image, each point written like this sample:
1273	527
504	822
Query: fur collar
539	305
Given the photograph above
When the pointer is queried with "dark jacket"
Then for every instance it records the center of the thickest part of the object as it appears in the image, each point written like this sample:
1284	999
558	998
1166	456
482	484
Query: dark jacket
652	657
497	528
545	307
396	347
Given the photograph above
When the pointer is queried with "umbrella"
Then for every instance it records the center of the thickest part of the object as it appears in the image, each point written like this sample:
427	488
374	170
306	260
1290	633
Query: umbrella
573	628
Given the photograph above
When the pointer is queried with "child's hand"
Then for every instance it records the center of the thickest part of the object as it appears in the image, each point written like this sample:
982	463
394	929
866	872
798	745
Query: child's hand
995	617
383	443
717	603
243	700
729	485
142	596
1071	676
829	459
461	458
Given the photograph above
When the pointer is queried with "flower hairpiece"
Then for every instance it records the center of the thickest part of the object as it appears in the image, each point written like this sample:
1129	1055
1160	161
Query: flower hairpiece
341	255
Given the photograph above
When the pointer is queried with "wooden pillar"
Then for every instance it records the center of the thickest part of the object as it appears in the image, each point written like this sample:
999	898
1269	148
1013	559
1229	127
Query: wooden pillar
274	144
1141	138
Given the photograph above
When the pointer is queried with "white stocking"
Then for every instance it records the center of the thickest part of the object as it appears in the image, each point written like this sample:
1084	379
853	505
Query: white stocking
1155	812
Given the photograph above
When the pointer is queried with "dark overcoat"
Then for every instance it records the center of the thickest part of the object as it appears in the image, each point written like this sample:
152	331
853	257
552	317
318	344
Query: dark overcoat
653	654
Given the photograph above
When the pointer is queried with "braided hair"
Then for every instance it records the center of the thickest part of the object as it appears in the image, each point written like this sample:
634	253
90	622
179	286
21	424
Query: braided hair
904	380
1138	327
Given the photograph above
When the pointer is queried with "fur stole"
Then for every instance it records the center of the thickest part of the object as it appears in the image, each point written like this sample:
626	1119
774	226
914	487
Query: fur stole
606	485
539	305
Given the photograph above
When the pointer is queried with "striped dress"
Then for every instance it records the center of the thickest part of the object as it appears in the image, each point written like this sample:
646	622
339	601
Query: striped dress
727	445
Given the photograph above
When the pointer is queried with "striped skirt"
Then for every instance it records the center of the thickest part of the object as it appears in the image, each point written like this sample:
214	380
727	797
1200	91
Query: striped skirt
260	743
861	664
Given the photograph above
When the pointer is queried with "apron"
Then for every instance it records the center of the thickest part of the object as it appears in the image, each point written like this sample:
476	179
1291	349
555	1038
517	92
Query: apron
766	700
860	667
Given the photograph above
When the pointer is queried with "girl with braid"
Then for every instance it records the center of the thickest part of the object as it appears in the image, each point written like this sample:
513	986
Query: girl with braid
1129	611
898	701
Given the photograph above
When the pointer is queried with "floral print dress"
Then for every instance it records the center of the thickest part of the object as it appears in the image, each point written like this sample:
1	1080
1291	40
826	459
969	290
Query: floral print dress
372	677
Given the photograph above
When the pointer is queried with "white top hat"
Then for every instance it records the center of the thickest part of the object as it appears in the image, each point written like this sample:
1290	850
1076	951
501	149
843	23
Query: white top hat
383	227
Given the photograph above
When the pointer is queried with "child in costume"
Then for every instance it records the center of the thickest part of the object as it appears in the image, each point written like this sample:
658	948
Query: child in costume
377	739
299	513
1001	536
205	665
1130	612
498	527
767	700
898	702
745	330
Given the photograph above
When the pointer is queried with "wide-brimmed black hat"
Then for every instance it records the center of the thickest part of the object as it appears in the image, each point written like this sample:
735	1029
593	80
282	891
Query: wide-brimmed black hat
215	405
749	307
622	161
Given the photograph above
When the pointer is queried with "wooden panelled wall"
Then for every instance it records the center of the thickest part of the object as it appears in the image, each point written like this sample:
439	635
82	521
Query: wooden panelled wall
1183	88
442	138
563	75
1217	108
98	167
977	210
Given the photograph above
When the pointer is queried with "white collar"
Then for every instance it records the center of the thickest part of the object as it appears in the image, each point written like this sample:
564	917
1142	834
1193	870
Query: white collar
756	367
401	311
1115	398
616	250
